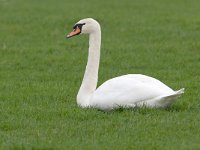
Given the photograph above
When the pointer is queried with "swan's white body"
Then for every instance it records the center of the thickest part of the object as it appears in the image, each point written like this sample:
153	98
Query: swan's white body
124	91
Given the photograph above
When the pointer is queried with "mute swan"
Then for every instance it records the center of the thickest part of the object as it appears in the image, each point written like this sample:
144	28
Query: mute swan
125	91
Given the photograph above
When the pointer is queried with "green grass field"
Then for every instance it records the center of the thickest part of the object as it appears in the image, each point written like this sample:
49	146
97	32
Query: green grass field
41	71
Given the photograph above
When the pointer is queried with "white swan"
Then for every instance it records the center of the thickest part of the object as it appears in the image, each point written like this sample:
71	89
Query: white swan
125	91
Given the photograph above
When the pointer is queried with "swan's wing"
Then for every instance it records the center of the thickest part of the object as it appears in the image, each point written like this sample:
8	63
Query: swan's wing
128	89
148	80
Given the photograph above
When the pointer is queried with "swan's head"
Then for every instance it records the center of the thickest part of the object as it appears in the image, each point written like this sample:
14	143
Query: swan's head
85	26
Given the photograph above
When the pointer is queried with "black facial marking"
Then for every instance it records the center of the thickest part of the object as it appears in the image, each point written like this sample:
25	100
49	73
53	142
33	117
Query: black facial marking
79	25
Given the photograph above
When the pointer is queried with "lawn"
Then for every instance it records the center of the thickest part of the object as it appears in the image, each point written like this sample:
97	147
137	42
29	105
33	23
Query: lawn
41	71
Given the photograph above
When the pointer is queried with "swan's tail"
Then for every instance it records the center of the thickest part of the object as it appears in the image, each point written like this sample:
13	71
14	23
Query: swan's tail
181	91
163	101
168	100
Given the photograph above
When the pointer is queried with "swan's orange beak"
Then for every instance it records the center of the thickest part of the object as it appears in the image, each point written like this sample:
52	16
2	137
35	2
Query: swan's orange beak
74	32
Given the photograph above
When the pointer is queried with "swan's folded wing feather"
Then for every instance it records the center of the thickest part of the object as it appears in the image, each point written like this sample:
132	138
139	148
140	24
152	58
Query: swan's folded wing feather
128	89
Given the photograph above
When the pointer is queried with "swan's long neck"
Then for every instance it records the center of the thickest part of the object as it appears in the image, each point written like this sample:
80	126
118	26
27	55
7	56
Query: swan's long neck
90	79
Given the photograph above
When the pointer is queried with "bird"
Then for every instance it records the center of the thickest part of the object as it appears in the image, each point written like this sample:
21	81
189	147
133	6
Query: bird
126	91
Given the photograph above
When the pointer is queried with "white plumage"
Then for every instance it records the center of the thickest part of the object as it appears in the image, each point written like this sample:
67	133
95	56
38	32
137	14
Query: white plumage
125	91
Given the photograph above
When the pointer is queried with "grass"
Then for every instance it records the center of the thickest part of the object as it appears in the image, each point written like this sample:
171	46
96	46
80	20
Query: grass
41	71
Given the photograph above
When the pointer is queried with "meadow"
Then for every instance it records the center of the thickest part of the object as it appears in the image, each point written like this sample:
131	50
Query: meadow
41	71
